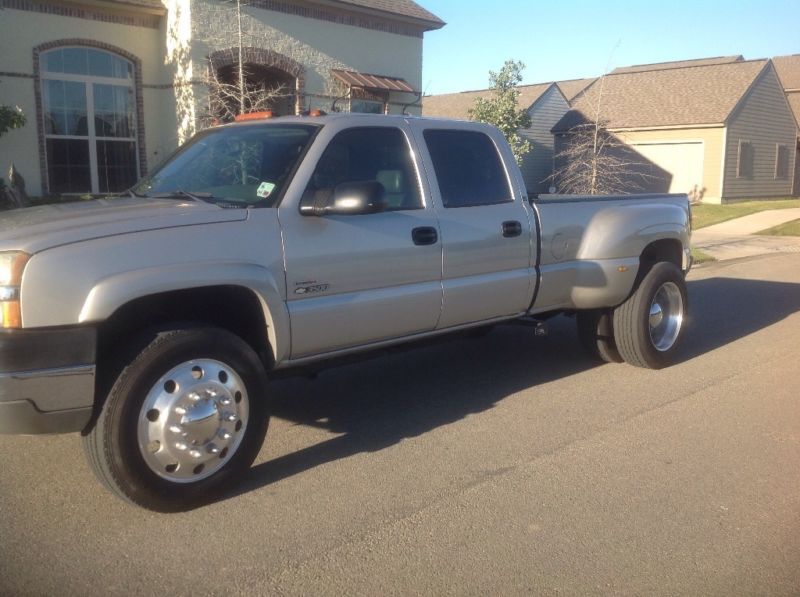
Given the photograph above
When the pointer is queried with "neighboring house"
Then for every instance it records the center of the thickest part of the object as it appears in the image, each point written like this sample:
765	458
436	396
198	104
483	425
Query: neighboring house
788	68
720	128
111	87
545	103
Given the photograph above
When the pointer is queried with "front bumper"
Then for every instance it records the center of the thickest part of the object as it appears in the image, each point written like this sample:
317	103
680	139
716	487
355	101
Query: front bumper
47	379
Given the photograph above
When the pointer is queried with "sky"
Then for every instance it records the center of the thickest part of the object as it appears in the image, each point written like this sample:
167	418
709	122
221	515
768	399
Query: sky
568	40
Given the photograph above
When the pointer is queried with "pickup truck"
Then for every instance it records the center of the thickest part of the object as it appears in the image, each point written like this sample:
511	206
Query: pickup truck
150	322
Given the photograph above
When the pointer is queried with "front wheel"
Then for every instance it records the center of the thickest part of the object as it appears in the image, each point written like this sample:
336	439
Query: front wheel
649	325
185	416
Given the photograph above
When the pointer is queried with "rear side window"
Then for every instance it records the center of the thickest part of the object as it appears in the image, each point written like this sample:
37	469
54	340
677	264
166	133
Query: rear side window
365	154
468	168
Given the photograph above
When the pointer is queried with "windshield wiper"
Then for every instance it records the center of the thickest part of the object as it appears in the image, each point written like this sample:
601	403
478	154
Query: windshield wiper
222	202
181	194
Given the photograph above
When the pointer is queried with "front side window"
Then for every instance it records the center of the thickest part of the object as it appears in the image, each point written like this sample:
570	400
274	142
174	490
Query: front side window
251	165
368	154
88	100
468	168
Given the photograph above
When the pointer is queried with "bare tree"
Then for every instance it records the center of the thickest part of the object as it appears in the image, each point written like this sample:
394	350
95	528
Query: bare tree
226	100
243	92
594	161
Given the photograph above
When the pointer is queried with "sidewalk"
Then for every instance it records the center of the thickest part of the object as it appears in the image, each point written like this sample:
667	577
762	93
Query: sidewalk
736	238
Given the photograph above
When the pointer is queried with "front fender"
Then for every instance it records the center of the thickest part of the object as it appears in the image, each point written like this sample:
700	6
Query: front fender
112	292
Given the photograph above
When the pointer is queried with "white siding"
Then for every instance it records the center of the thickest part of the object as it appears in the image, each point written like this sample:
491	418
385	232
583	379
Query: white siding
538	164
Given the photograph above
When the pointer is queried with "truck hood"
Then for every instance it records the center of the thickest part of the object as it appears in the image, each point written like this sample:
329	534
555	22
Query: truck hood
35	229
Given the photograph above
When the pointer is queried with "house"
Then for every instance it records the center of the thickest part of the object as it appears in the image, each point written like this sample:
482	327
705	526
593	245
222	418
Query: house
111	87
545	103
720	128
788	68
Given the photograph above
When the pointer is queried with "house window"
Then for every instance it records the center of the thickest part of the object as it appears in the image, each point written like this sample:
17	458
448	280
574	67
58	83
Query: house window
744	165
781	161
89	108
366	101
367	106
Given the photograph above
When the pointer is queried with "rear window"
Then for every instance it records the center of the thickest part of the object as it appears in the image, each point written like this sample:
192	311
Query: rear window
468	168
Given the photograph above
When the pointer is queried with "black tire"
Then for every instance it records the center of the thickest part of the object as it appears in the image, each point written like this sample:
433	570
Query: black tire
646	339
203	388
596	334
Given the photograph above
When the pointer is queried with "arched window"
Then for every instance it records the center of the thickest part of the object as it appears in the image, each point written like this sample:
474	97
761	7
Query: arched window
89	112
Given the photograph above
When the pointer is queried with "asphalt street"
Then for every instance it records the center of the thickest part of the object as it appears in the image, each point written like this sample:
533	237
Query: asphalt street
501	465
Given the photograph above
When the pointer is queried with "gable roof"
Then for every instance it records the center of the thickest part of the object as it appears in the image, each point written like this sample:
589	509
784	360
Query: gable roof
457	105
677	64
572	87
695	95
402	8
788	68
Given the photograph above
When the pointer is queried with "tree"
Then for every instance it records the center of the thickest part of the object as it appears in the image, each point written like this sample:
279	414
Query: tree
10	118
502	108
593	161
241	92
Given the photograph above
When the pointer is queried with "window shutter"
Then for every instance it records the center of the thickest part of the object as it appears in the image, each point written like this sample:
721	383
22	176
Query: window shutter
781	161
744	167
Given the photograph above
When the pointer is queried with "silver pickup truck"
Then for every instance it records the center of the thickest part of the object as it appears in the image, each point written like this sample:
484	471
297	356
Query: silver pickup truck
151	322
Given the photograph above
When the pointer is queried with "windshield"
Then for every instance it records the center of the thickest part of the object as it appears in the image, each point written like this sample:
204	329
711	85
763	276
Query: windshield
248	165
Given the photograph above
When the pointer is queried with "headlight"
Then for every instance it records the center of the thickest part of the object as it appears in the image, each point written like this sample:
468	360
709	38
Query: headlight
12	263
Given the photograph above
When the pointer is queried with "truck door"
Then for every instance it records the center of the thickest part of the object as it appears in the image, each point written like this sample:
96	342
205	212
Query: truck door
356	279
486	227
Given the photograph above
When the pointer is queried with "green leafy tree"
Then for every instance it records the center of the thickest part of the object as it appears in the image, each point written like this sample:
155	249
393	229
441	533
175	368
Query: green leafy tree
502	108
10	118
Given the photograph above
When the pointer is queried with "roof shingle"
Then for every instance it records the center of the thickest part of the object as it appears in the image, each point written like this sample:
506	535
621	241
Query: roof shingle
457	105
573	87
794	104
677	64
788	68
679	96
403	8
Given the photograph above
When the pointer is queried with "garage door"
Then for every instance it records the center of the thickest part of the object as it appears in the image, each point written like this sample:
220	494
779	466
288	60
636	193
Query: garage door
683	160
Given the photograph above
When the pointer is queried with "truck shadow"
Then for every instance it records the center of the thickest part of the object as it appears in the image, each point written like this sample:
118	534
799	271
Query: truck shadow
723	310
377	403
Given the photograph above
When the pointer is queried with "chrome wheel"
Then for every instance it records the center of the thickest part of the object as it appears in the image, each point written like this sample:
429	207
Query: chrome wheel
193	420
666	316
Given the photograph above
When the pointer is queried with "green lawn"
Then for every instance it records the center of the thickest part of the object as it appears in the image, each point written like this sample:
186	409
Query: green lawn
705	214
787	229
699	257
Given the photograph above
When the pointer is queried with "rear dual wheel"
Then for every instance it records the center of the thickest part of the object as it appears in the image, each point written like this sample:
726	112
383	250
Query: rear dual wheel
596	334
184	418
646	329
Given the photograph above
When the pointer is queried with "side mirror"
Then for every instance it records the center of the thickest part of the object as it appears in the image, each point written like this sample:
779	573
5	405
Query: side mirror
349	199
